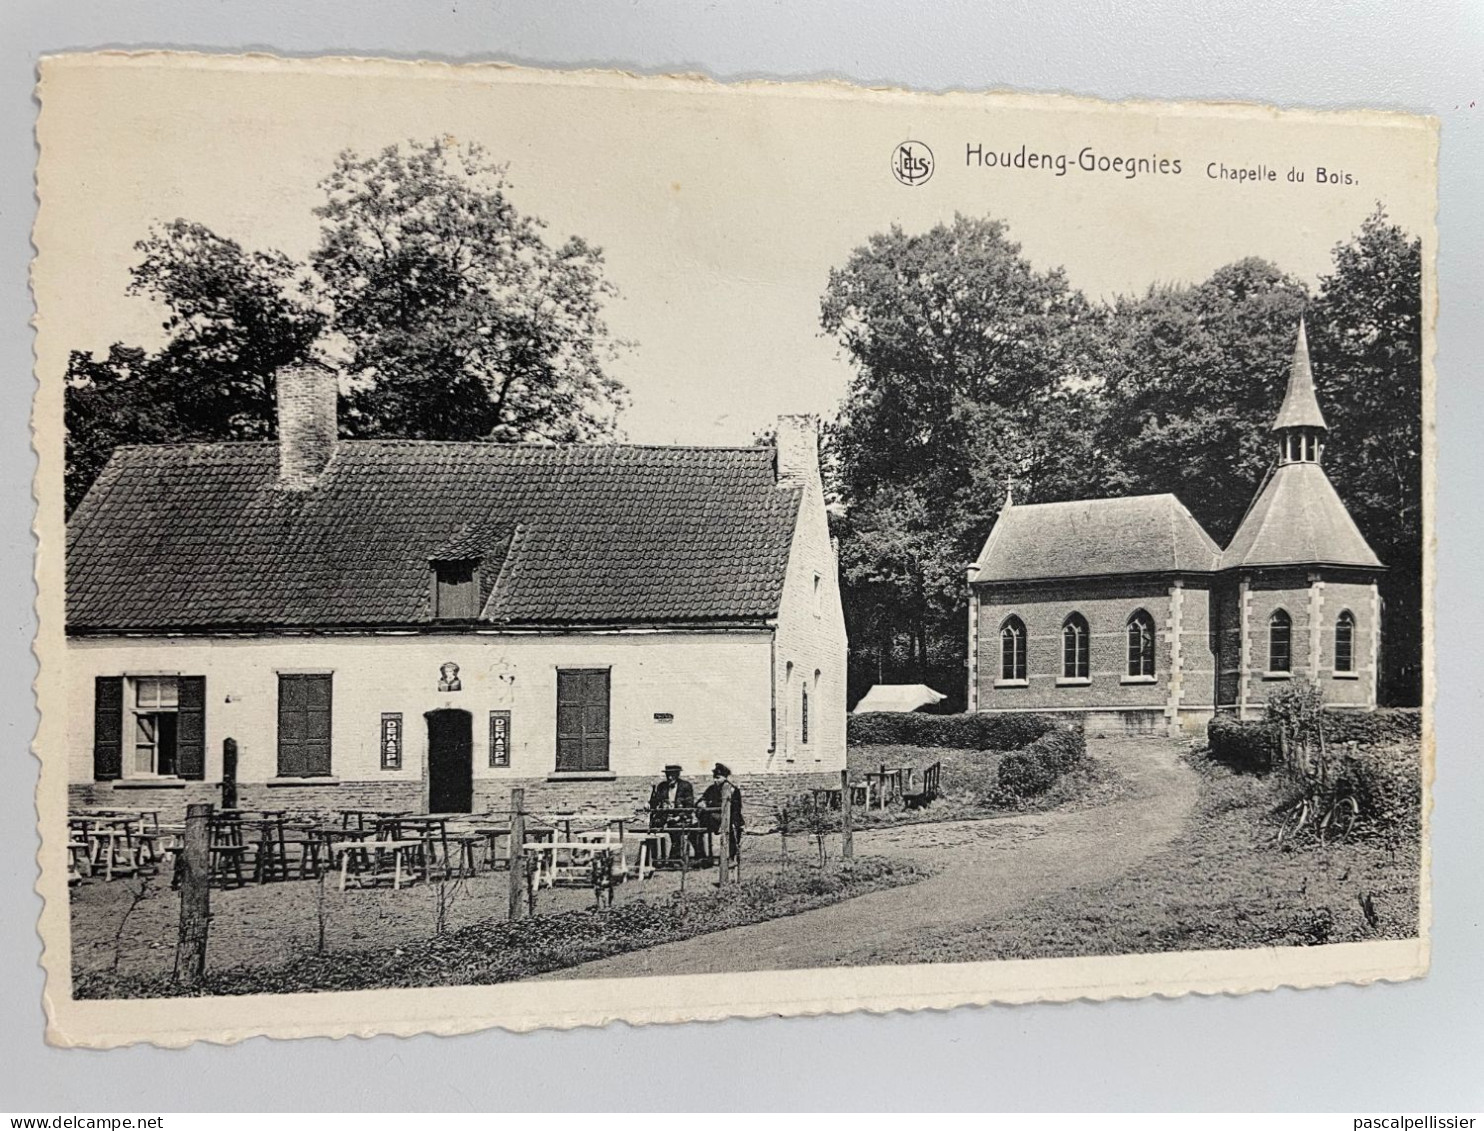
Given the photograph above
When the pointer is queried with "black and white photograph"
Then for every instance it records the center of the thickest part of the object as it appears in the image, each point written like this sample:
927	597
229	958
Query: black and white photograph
527	548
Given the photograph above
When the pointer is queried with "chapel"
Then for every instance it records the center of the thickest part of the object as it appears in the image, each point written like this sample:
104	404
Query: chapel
1125	612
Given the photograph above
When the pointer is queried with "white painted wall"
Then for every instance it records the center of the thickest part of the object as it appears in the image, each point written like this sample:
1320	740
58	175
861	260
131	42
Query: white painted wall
716	685
811	638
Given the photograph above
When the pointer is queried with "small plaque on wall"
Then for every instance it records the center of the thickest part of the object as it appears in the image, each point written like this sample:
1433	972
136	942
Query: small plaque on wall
391	741
499	738
663	717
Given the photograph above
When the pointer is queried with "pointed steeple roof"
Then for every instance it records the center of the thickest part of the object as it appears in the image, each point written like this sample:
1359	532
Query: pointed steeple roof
1300	405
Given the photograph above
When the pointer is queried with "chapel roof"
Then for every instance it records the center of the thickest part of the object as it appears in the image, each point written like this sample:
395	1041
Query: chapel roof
1300	408
201	536
1298	519
1096	537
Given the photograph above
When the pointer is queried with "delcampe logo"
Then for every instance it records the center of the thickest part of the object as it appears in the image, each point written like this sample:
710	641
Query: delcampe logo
912	163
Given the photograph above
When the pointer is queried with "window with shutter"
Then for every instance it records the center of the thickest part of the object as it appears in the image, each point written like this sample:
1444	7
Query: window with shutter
582	720
304	725
148	726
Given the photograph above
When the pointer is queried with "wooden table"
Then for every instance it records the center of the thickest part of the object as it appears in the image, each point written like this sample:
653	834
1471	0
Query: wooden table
410	851
360	816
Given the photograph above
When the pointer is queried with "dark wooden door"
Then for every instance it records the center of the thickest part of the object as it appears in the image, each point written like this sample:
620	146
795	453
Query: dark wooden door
450	762
582	720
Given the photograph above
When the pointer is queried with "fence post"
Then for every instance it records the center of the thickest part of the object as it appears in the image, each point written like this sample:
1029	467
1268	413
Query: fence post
724	853
195	896
847	818
517	853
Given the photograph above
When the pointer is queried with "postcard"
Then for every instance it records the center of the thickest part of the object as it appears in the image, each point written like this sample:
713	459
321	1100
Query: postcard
531	548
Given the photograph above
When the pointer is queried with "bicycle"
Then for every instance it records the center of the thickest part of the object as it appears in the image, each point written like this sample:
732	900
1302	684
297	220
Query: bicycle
1335	817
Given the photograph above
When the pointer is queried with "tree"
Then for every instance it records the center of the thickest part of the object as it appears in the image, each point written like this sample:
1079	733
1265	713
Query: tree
1367	344
462	321
1193	377
451	316
966	374
232	318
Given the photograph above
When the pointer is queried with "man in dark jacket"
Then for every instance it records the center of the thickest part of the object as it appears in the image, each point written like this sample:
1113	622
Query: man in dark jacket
672	805
710	807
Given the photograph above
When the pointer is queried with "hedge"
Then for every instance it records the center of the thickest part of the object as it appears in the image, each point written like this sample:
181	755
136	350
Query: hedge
1035	769
1387	782
1252	744
1249	745
962	732
1373	728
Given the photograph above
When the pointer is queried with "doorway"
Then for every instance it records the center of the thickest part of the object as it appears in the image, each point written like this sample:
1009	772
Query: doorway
450	761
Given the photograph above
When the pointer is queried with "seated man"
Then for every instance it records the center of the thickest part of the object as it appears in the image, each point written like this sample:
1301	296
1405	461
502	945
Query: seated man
672	806
710	807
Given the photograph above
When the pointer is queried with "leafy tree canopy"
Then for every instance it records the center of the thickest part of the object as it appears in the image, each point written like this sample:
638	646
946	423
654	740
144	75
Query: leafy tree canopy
972	369
450	313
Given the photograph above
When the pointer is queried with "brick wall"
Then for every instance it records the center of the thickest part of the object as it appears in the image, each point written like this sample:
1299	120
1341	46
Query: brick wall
169	802
307	422
1313	601
1198	645
1107	603
760	793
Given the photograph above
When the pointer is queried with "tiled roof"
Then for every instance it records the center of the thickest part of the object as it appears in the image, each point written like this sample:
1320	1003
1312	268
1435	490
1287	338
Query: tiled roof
1298	519
1094	537
200	536
1300	408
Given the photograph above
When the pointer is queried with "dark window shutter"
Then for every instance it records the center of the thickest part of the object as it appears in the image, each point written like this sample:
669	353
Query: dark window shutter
304	712
190	736
582	720
108	727
317	726
290	727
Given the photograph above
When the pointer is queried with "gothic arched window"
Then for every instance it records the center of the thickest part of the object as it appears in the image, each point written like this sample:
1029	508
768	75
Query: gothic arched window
1012	649
1074	638
1280	642
1345	642
1141	644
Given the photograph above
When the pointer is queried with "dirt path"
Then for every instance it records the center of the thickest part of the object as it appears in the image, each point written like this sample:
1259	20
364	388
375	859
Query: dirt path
983	868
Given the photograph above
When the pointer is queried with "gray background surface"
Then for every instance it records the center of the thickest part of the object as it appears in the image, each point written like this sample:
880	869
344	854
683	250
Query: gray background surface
1418	1046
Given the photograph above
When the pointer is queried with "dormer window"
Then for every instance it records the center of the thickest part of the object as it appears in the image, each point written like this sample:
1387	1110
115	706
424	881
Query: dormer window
456	589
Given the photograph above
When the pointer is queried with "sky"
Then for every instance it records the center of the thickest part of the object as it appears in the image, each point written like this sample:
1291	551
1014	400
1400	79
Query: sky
720	209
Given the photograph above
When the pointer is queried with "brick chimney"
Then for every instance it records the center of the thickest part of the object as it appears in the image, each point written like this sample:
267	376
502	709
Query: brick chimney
798	450
307	422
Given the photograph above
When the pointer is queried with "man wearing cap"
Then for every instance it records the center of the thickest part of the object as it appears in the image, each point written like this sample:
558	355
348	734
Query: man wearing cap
710	807
671	802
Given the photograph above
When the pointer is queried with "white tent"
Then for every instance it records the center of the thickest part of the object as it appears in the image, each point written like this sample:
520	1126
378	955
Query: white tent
899	697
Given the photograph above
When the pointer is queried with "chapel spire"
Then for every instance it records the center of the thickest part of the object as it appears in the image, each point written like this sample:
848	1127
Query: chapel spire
1300	426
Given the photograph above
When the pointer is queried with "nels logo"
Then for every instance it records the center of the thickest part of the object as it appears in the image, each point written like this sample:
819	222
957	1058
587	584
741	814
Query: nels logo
912	163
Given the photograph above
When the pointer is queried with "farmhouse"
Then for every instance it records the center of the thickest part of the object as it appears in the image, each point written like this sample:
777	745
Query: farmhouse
1126	612
416	625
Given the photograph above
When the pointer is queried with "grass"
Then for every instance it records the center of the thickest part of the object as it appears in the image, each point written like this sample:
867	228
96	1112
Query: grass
969	780
495	950
1223	883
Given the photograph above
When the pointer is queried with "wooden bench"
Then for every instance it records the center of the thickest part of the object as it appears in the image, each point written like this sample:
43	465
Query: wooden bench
931	788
